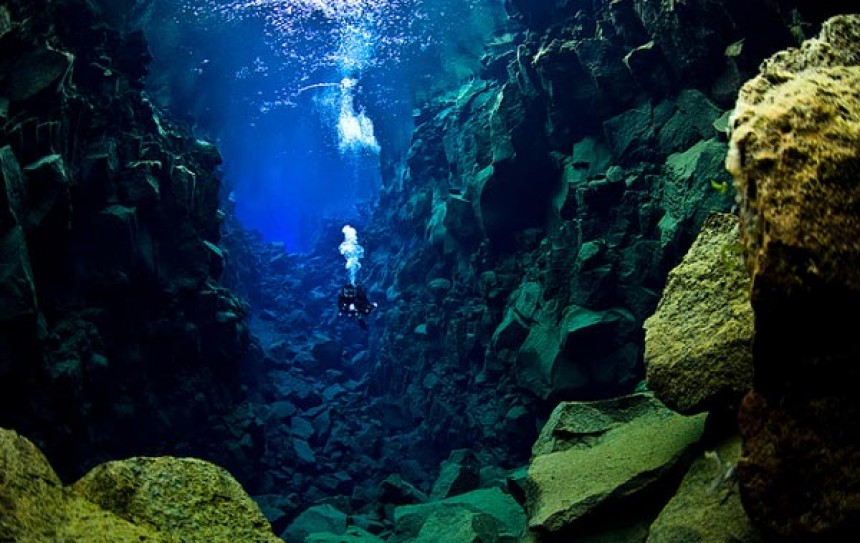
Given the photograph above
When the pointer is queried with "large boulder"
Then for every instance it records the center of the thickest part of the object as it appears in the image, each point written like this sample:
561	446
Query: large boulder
31	495
698	344
598	456
162	500
795	150
187	498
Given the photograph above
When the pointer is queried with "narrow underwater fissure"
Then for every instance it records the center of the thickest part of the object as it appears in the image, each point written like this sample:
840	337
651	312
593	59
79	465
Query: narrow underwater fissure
521	176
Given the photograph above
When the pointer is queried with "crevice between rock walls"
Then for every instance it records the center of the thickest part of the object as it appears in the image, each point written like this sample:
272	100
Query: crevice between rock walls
515	250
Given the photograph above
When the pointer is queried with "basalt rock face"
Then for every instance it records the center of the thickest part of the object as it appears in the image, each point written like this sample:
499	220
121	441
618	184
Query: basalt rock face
527	233
113	326
795	154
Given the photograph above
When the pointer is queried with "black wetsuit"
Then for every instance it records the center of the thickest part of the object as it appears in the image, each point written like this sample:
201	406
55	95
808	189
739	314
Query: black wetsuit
353	302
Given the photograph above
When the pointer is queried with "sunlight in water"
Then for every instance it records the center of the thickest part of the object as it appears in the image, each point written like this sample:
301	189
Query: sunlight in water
348	34
321	38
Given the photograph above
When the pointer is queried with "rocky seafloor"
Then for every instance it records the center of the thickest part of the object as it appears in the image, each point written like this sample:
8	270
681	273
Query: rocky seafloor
545	365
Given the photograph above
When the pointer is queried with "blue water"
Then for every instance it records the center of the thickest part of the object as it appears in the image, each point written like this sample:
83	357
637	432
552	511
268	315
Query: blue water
304	97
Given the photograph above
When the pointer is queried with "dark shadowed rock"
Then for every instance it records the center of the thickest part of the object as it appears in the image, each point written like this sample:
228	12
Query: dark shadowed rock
692	120
120	249
795	150
13	189
394	490
688	194
583	351
17	289
460	473
34	71
48	195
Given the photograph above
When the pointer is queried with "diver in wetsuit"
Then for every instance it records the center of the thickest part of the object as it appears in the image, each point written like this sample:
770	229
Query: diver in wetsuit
352	301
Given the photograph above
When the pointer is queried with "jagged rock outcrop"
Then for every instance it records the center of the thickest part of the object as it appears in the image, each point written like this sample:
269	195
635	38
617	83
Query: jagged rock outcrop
595	459
553	205
116	337
698	343
795	150
457	475
496	300
139	499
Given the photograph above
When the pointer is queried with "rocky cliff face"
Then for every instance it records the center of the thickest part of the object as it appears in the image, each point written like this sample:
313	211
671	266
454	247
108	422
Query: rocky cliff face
530	230
114	326
515	252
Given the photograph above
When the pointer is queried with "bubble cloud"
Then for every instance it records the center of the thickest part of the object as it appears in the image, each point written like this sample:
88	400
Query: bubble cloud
352	251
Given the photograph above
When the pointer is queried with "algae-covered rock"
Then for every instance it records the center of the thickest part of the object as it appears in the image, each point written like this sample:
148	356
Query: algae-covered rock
794	159
87	522
34	506
581	424
189	499
615	464
707	506
698	343
31	494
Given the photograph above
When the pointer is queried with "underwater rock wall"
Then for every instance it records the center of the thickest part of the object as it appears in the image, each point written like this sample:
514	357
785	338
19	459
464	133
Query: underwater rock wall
115	335
535	218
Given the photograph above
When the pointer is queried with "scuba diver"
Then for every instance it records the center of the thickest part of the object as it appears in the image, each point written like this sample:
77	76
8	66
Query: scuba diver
352	301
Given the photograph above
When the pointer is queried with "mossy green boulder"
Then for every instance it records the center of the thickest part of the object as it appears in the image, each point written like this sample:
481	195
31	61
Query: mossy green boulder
626	447
156	500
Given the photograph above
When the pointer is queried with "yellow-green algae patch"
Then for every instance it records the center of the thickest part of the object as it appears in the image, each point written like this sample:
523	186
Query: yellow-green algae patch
161	500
